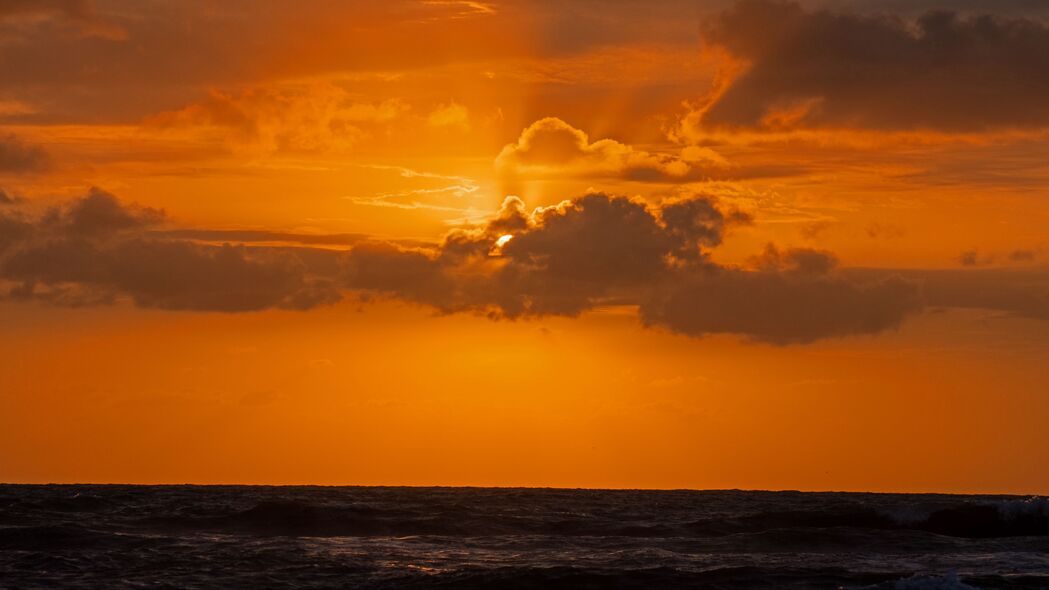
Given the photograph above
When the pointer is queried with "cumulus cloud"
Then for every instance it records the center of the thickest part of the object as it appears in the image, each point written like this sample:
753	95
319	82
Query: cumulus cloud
97	249
600	249
561	260
551	147
18	157
943	71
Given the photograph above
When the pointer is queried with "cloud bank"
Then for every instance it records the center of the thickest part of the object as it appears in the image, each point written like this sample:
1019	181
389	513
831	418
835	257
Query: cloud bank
97	249
945	71
18	157
595	250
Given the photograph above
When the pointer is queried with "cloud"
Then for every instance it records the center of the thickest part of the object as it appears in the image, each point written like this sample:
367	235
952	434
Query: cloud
76	9
451	114
551	147
793	296
944	71
97	249
1023	255
779	307
795	260
18	157
976	258
601	249
1018	292
969	258
79	12
257	236
562	260
70	70
289	118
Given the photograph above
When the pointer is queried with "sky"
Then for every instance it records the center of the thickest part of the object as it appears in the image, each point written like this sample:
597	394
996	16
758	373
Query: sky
765	244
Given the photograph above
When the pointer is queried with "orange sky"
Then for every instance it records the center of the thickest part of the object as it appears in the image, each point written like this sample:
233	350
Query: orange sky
755	244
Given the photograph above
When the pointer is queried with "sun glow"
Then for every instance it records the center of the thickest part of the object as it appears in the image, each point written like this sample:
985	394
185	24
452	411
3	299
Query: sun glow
503	239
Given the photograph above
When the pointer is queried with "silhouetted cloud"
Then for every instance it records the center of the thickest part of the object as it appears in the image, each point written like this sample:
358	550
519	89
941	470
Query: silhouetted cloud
795	260
561	260
969	258
779	307
601	249
17	156
1023	255
96	249
1020	292
944	71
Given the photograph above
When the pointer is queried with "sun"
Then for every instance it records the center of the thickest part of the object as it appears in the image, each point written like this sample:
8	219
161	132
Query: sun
503	239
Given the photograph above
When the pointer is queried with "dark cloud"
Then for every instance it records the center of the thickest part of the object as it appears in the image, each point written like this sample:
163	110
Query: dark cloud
18	157
1023	255
975	258
943	71
779	307
795	260
562	260
600	249
1017	292
969	258
1020	292
69	8
97	249
100	213
127	59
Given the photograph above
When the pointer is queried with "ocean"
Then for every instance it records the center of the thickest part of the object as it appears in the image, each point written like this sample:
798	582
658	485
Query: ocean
121	536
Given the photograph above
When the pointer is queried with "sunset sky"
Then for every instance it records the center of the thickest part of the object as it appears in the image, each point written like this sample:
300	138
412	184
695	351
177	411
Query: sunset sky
590	243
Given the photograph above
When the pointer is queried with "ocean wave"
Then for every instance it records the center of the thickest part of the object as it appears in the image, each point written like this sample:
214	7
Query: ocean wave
263	537
1013	518
950	581
53	537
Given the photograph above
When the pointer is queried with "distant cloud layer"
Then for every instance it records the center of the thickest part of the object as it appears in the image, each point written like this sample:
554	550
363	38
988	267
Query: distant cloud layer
823	68
17	157
562	260
96	249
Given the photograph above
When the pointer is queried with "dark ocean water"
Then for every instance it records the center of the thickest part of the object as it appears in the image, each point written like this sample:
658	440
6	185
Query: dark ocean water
344	537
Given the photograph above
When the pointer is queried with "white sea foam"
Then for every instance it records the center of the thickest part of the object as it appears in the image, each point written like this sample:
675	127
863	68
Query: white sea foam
1033	506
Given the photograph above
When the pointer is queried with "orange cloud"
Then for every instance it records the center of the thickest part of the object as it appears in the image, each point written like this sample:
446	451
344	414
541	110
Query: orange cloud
551	146
285	118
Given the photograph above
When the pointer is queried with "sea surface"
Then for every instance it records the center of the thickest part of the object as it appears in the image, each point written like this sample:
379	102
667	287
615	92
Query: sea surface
91	536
